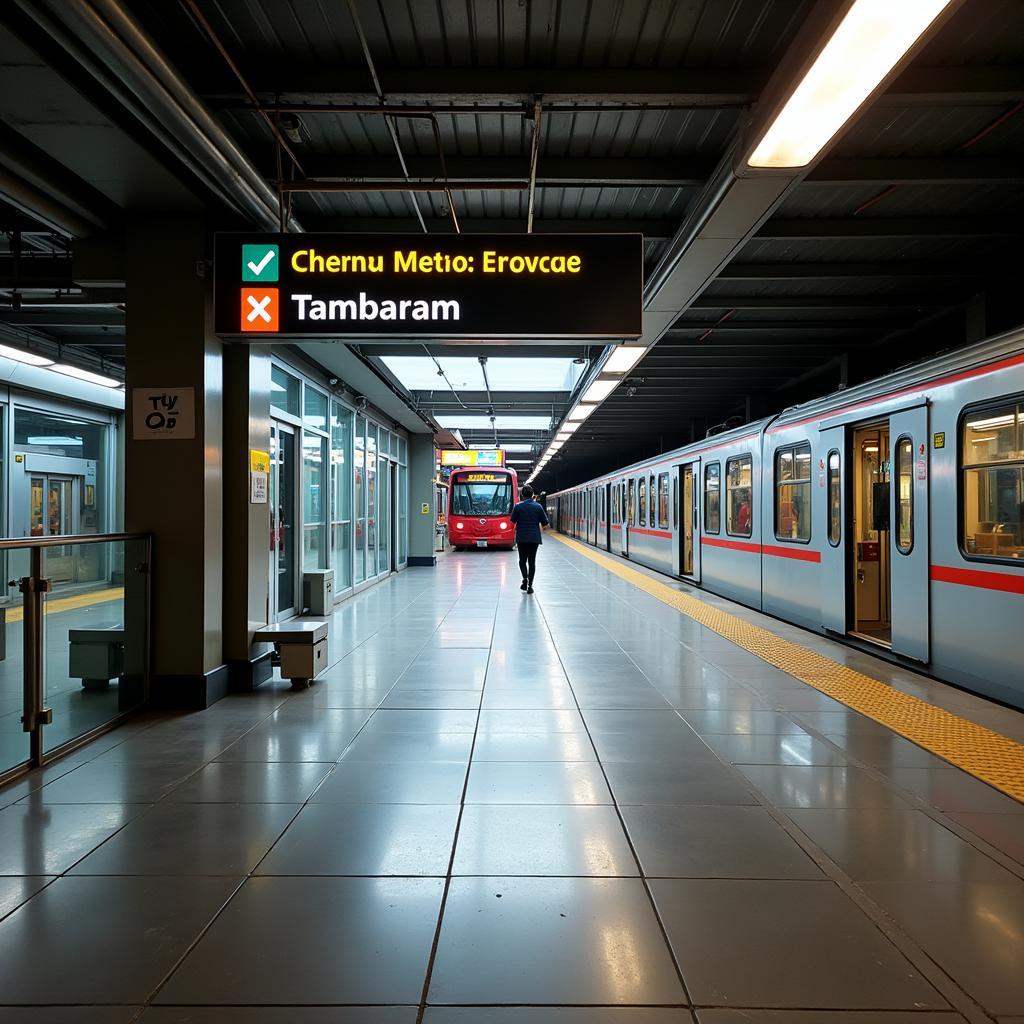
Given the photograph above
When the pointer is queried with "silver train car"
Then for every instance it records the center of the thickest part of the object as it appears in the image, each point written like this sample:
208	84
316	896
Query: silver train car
890	515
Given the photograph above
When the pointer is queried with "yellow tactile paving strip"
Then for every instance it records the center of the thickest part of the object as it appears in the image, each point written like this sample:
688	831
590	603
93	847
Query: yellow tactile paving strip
67	604
985	754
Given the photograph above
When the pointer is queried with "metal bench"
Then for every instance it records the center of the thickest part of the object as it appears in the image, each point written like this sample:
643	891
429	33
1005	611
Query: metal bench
96	654
302	647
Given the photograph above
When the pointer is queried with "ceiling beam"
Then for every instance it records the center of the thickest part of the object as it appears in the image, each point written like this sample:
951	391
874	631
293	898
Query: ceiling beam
857	271
652	230
677	87
774	301
677	172
44	317
892	227
763	326
917	171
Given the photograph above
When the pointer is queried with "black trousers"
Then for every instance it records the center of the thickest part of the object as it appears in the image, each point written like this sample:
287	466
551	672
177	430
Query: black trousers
528	559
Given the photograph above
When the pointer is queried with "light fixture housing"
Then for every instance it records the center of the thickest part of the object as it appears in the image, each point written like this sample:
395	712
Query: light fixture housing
599	390
87	375
624	358
869	42
21	356
568	428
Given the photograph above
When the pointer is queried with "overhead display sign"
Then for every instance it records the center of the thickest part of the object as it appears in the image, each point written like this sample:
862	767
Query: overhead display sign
476	457
428	286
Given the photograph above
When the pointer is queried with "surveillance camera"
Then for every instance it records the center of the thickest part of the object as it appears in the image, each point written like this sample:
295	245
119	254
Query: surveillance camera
333	381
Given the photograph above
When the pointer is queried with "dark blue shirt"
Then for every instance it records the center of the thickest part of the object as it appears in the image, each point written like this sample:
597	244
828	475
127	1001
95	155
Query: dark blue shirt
528	515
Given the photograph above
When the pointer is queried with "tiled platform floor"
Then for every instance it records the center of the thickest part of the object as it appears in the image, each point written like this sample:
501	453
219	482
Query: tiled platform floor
578	807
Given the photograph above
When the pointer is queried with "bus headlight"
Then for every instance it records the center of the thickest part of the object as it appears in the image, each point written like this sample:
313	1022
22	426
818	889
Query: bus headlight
503	526
458	526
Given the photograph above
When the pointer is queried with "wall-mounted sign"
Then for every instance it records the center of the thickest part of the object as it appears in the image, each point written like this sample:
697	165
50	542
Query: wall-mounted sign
444	286
475	457
259	461
163	414
939	440
425	509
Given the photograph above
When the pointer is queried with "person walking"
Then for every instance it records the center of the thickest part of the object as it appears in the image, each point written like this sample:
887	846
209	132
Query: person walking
529	518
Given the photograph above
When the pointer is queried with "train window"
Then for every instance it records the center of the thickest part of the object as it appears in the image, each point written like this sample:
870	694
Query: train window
642	500
835	500
663	501
793	493
739	496
713	498
905	495
653	495
631	504
615	504
992	481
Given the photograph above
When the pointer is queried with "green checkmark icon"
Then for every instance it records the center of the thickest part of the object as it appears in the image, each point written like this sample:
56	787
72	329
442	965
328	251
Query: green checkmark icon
260	263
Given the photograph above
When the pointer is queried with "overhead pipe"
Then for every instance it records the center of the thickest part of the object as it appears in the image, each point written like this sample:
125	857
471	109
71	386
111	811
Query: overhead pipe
136	61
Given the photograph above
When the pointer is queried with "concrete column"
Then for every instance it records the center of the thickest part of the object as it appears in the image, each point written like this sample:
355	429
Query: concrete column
247	524
174	487
421	492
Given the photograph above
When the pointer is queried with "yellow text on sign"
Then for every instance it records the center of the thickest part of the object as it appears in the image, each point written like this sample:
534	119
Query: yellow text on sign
259	462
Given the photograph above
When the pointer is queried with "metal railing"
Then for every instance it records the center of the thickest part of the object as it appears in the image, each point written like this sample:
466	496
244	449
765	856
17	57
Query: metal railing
128	640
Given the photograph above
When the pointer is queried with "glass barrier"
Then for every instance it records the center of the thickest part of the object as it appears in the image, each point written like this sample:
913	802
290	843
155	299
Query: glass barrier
93	601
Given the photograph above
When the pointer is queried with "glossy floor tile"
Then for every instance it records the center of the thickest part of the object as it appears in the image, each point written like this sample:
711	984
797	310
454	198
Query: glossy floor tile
599	809
540	940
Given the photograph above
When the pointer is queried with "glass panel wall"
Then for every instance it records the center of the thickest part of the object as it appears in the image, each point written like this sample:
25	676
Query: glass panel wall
371	499
341	493
360	499
285	391
403	512
314	501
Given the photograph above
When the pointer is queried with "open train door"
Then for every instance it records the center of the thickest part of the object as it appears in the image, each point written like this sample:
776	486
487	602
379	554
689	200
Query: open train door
831	510
688	535
908	537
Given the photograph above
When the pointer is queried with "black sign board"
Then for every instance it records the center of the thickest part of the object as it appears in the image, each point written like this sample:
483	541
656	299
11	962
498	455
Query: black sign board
428	286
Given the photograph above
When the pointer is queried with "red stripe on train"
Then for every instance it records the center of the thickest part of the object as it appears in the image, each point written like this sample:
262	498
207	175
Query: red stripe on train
1005	582
799	554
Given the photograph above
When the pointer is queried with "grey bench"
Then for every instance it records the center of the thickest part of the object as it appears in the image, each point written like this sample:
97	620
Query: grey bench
302	646
96	654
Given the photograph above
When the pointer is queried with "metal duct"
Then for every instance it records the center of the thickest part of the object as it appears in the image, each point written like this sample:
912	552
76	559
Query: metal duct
139	65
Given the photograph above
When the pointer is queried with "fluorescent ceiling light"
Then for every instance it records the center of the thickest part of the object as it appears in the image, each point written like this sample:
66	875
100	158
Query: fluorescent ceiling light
555	445
869	42
562	437
86	375
514	447
623	359
519	462
568	428
581	412
501	422
20	356
64	442
599	390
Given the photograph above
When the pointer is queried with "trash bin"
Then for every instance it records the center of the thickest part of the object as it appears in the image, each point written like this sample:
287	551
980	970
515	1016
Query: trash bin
318	591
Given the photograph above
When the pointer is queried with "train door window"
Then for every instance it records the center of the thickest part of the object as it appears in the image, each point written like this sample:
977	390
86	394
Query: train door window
992	482
904	495
713	498
793	493
652	495
615	505
835	500
739	496
631	505
663	501
642	500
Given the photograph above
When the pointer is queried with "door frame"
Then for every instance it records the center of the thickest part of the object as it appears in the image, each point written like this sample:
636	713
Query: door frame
694	466
277	613
836	559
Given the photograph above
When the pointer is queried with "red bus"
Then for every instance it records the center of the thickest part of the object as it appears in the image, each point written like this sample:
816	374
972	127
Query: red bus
480	500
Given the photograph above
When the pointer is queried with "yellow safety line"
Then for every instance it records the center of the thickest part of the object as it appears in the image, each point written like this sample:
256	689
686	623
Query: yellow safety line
65	604
983	753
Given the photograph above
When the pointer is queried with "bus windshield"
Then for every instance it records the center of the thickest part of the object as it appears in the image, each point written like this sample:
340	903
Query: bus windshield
481	499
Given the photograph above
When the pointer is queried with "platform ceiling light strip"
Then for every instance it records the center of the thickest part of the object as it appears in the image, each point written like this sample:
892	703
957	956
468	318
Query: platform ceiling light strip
599	390
580	413
984	753
624	358
21	356
568	428
869	42
87	375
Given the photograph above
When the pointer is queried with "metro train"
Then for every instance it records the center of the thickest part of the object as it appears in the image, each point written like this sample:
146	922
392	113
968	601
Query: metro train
890	515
